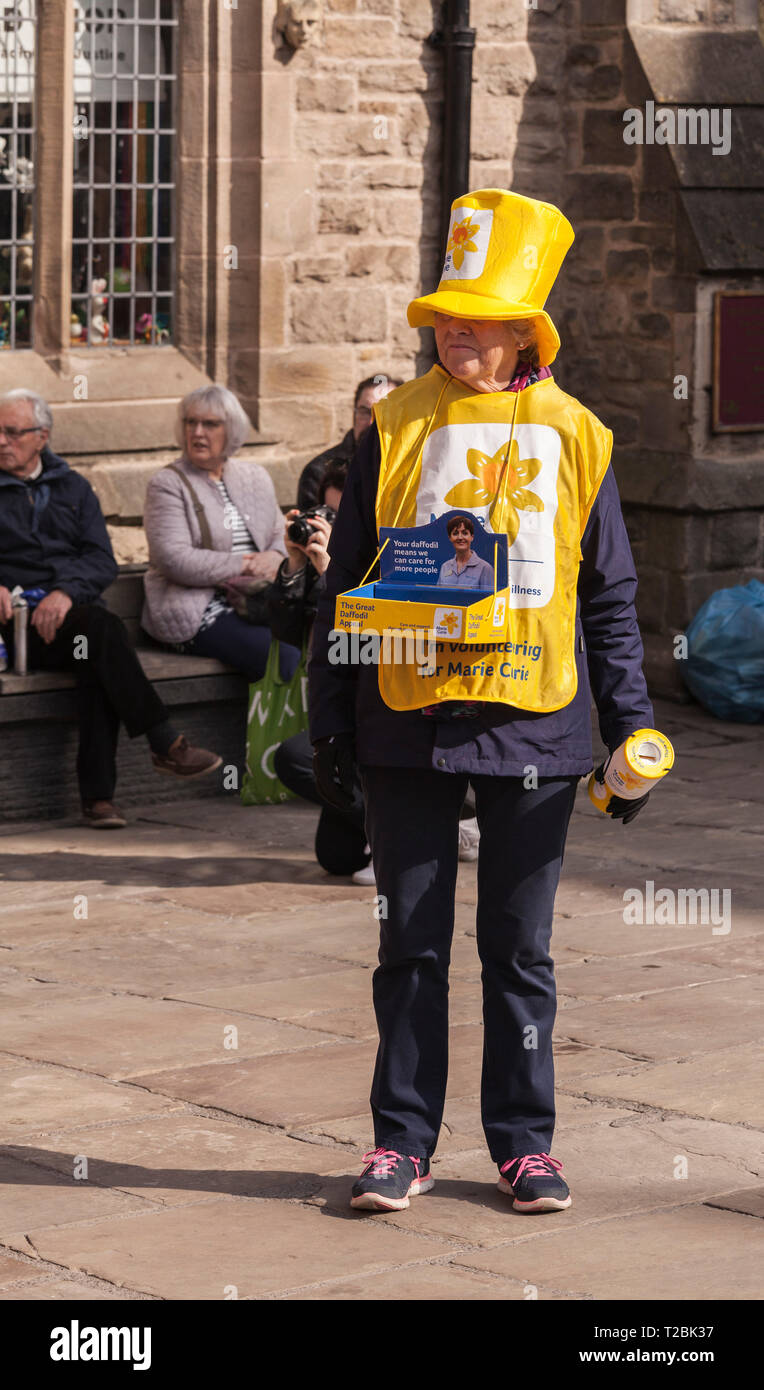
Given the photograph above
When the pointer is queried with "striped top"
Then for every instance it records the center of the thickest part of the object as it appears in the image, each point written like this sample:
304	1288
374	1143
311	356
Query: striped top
241	540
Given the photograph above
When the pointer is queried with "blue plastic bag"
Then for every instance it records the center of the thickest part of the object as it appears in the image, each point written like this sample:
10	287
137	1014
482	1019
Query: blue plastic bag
725	653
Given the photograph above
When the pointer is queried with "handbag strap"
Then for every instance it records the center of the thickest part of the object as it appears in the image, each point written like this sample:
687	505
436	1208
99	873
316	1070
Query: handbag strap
201	515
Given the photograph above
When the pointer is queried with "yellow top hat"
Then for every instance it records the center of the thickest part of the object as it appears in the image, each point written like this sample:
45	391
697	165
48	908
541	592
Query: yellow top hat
503	255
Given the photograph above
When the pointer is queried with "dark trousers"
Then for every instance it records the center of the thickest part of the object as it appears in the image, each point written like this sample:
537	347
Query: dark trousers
340	836
412	820
112	688
243	645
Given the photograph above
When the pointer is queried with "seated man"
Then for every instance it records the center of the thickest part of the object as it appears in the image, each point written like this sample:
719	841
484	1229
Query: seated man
367	393
53	537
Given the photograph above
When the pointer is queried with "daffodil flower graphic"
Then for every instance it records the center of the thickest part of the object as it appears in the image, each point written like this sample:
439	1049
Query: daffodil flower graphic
460	240
481	489
449	621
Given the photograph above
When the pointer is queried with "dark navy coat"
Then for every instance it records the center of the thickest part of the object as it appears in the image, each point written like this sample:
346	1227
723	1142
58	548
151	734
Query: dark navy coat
501	741
53	535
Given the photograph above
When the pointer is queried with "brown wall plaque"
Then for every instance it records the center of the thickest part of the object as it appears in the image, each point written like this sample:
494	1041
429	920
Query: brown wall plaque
738	391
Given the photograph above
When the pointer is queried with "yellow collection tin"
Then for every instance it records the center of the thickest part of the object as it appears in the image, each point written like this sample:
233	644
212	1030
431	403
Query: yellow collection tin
634	768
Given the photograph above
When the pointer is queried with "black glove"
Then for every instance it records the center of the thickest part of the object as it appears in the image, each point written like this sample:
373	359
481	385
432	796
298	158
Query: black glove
618	807
334	770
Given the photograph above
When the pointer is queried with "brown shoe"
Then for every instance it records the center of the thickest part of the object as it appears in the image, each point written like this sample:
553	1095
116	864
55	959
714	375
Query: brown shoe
182	759
103	815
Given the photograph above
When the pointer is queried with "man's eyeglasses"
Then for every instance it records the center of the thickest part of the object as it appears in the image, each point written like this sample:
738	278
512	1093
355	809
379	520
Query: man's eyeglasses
12	434
207	425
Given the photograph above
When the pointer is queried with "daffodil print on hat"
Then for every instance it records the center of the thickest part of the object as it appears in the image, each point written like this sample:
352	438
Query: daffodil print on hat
503	255
468	236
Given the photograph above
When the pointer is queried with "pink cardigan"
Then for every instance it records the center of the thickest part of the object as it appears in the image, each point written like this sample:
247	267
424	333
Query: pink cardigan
182	577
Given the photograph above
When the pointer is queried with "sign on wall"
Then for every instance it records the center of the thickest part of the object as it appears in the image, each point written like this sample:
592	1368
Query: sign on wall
738	385
110	47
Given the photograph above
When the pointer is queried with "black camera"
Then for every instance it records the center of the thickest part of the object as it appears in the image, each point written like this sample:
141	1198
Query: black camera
299	529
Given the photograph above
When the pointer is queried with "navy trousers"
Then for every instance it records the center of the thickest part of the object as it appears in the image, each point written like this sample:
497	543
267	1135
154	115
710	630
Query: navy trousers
242	645
340	835
412	821
111	687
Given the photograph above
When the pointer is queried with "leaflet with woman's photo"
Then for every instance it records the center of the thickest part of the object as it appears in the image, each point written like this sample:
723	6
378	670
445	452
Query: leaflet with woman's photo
453	553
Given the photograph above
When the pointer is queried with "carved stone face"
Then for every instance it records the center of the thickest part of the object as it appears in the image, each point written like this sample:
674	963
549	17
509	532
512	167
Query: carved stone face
298	21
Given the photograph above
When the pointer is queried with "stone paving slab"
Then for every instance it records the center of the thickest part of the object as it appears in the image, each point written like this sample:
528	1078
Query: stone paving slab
30	1195
709	1138
293	998
262	1248
749	1202
606	934
124	1036
16	1271
712	850
689	1253
290	826
166	965
251	899
60	1290
292	1089
603	978
720	1085
673	1024
575	1061
40	1099
108	919
731	784
744	955
437	1281
177	1159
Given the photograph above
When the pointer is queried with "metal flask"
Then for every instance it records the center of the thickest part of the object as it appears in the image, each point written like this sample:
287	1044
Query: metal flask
20	623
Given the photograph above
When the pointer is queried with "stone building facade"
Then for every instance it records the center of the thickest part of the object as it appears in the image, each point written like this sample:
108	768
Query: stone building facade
307	215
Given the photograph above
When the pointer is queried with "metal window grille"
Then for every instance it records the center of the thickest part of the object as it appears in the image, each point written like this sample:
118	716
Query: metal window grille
123	234
17	154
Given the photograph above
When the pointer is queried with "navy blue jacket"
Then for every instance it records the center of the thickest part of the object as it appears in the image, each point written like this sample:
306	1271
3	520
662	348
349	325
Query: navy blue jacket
53	535
501	741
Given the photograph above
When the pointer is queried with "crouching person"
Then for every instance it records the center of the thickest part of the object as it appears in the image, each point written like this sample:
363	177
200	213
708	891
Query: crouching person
53	538
341	846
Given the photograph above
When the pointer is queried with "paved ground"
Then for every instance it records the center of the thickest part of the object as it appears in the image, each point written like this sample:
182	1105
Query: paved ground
186	1068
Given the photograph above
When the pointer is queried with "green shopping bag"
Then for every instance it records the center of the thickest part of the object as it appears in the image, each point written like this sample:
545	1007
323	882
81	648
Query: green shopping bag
277	710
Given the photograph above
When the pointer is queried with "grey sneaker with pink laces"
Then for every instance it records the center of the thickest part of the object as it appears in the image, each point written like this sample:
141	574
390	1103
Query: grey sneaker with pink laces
388	1180
536	1183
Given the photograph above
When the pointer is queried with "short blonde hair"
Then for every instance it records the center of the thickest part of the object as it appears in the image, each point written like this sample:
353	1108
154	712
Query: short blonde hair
237	423
525	334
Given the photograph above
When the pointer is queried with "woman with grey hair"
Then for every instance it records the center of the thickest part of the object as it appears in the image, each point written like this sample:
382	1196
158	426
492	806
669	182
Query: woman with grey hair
211	518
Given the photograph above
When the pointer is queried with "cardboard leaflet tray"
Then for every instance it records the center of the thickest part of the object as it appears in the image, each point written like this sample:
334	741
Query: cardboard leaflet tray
413	593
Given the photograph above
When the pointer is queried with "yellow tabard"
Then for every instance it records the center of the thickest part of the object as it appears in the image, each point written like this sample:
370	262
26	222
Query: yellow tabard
529	465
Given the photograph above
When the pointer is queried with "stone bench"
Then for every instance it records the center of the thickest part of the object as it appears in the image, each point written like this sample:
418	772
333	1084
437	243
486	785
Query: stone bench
38	712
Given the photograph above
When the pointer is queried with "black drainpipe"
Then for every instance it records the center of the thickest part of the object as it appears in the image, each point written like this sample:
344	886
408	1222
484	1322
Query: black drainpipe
458	41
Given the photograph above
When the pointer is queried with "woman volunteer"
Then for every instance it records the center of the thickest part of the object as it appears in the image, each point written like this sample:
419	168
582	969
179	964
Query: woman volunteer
488	430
